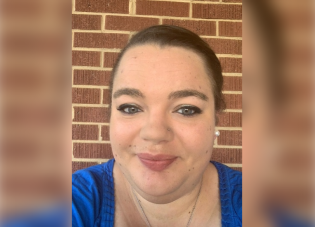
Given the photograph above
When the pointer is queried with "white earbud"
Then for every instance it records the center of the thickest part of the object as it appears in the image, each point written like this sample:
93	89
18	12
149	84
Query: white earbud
217	133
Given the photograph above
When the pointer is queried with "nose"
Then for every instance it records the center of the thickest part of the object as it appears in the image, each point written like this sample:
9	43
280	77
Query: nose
156	128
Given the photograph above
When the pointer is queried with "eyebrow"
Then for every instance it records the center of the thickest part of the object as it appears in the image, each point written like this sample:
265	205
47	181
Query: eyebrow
128	91
187	93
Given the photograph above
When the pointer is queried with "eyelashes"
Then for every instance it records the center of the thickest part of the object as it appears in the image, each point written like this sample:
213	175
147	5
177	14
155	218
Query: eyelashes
129	109
186	110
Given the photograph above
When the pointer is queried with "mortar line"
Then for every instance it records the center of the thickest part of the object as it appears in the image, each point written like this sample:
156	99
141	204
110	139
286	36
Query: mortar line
99	133
73	6
103	18
233	110
102	94
221	37
90	86
91	68
91	141
157	16
233	92
90	123
89	160
227	146
229	55
112	50
234	164
232	74
89	105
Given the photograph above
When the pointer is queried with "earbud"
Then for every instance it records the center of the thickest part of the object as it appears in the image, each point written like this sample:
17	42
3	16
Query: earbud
217	133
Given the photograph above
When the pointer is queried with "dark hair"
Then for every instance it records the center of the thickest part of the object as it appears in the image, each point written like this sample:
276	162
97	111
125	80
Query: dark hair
168	35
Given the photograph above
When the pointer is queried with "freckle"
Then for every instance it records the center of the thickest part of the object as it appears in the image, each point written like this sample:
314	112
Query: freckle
134	145
129	145
189	170
121	71
207	151
199	87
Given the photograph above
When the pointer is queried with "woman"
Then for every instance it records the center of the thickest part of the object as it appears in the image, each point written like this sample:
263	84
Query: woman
166	91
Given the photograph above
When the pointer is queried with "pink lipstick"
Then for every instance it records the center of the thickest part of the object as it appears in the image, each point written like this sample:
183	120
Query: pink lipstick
156	162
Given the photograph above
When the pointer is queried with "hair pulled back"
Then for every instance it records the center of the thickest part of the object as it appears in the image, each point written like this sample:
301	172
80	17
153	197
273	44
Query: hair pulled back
174	36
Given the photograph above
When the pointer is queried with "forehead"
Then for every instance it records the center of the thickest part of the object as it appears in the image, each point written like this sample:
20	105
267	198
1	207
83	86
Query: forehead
152	65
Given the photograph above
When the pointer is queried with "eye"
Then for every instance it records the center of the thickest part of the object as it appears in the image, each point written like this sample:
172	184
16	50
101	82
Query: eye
188	110
129	109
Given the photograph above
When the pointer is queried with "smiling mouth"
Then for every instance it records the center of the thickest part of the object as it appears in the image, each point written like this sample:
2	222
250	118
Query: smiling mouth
156	162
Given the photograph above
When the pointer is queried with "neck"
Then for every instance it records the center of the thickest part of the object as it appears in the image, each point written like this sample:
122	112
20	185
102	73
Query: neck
167	212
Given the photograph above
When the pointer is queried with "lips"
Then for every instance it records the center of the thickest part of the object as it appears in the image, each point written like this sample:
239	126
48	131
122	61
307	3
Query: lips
156	162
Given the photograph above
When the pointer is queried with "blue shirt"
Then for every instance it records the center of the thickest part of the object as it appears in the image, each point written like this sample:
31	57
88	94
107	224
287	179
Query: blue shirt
93	197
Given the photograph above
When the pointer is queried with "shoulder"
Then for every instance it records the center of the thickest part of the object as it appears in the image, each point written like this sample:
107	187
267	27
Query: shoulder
92	176
230	182
90	188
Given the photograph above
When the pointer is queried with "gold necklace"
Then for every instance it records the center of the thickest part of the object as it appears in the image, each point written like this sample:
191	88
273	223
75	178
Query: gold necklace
146	218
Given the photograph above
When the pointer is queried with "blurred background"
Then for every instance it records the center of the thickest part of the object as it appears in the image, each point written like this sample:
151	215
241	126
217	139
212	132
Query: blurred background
278	113
35	112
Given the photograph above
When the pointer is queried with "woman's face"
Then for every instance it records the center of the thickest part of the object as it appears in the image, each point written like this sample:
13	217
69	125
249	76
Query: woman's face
162	119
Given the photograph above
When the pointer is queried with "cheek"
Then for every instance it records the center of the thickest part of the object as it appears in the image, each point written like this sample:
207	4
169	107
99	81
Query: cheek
198	138
122	133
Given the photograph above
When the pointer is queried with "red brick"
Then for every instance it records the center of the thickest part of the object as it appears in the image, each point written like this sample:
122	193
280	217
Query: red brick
231	65
91	114
233	101
92	150
225	46
162	8
105	132
230	29
230	138
82	165
100	40
86	95
106	96
102	6
227	155
232	83
91	77
84	132
86	58
230	119
129	23
199	27
86	22
217	11
110	59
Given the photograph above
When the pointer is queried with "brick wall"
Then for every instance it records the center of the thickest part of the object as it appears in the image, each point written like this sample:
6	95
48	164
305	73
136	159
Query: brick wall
102	27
